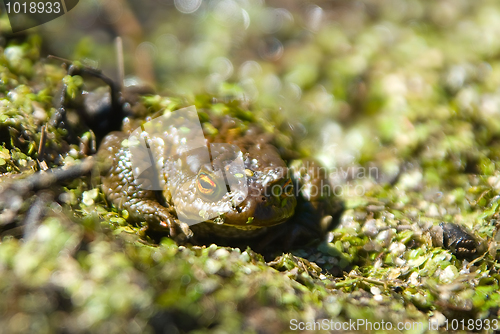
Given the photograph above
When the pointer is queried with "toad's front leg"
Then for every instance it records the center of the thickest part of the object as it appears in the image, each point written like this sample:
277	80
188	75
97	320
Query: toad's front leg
125	192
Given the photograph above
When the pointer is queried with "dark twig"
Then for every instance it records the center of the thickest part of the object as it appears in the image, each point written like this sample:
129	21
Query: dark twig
120	63
116	105
43	180
41	149
12	194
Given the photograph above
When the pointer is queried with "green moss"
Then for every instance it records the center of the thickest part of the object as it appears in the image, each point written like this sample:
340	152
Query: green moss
410	91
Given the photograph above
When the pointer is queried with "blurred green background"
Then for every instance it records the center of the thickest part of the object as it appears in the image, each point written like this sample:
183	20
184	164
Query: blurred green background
357	75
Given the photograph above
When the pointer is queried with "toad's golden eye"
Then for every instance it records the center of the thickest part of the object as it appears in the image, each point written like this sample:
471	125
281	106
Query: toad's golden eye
287	188
206	184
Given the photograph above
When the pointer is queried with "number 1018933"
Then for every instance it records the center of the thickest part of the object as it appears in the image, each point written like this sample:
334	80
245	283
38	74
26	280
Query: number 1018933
33	7
25	14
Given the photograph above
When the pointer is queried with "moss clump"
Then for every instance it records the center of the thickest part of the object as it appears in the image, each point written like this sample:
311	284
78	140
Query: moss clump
401	105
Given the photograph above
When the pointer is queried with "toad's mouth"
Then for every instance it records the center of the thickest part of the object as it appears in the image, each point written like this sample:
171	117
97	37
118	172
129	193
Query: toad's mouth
259	211
254	212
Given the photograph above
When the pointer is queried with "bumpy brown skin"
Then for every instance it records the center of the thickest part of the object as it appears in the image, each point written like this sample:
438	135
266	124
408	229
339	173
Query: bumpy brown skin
123	190
260	210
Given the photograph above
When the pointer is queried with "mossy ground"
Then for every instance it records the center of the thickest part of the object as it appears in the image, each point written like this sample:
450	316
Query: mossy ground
411	92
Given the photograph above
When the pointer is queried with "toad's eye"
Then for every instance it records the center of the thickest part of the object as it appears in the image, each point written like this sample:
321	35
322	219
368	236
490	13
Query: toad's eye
287	188
210	186
206	184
